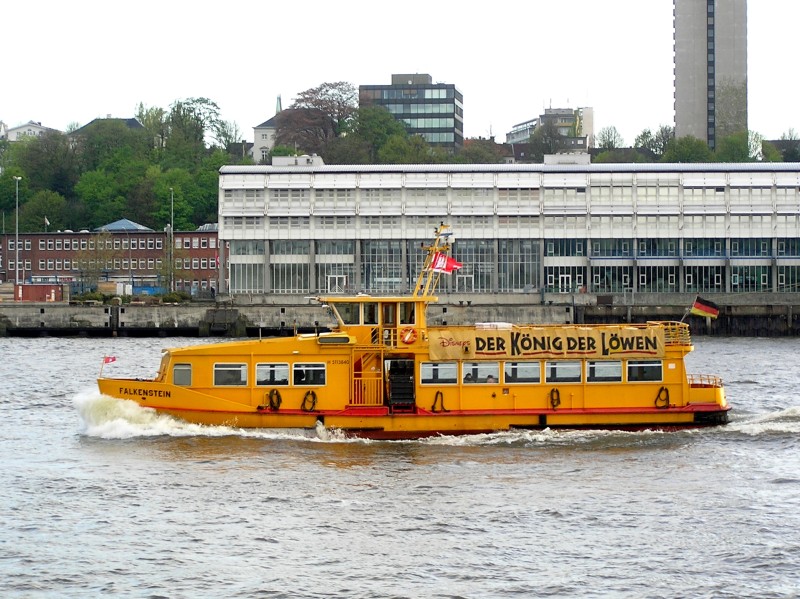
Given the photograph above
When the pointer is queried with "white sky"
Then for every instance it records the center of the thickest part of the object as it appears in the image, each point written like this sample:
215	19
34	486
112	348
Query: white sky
74	61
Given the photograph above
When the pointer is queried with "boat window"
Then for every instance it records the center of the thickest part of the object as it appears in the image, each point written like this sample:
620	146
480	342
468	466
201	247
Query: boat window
563	372
438	373
522	372
230	374
389	311
407	313
480	372
349	312
182	375
604	371
371	313
644	370
272	374
308	374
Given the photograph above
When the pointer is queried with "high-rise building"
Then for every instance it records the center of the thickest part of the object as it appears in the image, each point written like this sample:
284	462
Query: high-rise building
710	68
433	110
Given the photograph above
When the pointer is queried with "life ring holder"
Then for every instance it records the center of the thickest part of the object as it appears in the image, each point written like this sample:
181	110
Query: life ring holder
438	399
275	400
309	401
408	335
662	399
555	398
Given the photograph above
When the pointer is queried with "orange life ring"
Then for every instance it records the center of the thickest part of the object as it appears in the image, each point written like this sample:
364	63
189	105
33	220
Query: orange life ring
408	336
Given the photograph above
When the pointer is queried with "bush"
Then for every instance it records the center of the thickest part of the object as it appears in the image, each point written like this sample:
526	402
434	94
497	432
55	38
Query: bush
175	297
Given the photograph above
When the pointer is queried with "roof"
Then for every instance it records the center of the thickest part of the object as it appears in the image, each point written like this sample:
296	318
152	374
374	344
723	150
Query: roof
267	124
123	224
130	123
661	167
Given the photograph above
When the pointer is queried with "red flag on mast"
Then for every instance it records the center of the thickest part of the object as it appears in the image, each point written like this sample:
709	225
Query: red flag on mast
444	263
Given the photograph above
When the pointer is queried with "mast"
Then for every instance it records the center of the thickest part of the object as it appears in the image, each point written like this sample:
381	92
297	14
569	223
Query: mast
437	251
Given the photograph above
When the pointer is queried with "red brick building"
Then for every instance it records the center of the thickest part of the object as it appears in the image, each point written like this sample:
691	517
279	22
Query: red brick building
132	256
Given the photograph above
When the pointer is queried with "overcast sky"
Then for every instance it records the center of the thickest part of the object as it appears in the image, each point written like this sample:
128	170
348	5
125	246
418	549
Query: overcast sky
71	62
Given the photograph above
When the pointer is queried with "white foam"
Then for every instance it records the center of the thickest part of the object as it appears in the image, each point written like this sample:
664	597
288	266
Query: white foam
109	418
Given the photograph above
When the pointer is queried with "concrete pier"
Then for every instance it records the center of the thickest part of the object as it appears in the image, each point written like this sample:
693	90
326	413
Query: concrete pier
769	315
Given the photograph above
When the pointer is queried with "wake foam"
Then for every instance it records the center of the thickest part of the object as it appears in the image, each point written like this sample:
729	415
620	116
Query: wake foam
786	421
105	417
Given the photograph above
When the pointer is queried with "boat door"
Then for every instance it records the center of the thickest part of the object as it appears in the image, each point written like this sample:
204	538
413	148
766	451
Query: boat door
400	387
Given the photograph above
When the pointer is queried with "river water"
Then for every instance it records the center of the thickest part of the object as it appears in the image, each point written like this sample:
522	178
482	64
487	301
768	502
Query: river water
98	498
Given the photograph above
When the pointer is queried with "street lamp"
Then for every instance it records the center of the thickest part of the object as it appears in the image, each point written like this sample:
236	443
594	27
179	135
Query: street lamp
171	240
16	239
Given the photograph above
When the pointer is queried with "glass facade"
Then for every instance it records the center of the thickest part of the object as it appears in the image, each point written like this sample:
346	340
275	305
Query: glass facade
518	229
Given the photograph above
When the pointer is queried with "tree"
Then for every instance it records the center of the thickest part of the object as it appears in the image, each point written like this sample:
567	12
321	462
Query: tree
374	125
226	133
733	148
790	146
655	142
338	101
545	139
480	151
107	142
770	153
189	122
609	138
43	205
97	259
687	149
413	149
47	162
349	149
308	130
155	123
623	155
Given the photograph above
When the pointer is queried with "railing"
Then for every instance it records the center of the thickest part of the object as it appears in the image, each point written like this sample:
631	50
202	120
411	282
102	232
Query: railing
368	389
704	380
676	333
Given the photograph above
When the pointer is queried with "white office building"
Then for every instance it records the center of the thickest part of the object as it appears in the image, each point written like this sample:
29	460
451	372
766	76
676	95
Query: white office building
304	227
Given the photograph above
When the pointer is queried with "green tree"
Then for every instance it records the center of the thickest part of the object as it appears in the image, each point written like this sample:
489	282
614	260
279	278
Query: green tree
47	162
608	138
545	140
100	194
413	149
620	155
109	141
733	148
189	122
374	125
155	121
349	149
44	204
8	190
655	142
687	149
790	146
770	153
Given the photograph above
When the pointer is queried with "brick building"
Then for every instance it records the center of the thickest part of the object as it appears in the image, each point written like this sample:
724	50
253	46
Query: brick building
124	253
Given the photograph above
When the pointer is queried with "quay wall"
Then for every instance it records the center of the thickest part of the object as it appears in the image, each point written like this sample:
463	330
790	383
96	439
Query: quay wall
768	315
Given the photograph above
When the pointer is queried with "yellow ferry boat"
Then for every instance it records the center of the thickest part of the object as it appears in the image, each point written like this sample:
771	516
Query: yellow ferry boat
384	373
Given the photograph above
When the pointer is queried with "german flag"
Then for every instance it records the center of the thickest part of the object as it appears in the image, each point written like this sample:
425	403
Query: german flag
702	307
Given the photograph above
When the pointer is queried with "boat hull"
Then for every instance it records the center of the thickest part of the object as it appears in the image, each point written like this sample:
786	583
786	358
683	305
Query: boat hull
380	423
